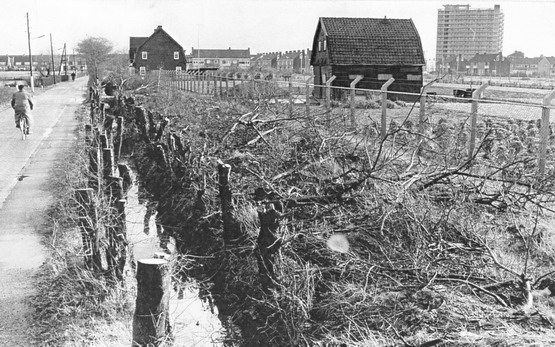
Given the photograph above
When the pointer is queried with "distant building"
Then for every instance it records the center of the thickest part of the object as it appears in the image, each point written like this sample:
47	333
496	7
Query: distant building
214	59
375	49
465	32
294	61
158	51
489	65
525	67
546	67
263	61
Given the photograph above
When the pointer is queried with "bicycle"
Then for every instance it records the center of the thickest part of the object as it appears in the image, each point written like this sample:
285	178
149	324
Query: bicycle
23	127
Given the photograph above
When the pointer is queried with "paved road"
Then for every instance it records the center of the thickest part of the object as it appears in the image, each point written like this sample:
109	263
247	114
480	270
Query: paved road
25	168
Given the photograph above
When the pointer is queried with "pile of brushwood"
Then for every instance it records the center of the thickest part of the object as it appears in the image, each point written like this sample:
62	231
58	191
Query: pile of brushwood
336	235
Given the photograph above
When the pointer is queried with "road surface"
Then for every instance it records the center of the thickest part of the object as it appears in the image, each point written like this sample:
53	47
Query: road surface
25	168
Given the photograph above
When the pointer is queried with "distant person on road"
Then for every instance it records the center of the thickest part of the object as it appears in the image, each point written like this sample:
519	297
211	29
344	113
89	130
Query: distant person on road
22	103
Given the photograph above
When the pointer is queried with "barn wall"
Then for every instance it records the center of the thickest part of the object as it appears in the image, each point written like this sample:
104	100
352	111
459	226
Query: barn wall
346	74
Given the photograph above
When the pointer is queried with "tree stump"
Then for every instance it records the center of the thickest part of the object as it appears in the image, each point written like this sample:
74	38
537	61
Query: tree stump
268	243
151	325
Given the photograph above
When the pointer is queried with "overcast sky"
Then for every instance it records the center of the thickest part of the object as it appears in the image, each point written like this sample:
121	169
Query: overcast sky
261	25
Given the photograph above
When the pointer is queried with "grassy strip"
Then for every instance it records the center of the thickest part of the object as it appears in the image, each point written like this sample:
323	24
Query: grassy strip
74	307
6	95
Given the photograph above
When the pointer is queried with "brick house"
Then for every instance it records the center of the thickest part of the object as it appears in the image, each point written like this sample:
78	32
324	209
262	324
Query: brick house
214	59
376	49
158	51
489	65
546	67
265	60
524	66
293	61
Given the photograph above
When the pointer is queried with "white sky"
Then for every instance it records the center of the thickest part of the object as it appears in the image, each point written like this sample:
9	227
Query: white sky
261	25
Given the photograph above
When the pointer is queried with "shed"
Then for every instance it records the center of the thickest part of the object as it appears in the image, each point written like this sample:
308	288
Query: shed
374	48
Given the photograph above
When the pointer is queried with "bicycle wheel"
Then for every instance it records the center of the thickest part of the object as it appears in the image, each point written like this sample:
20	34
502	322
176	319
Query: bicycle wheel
23	127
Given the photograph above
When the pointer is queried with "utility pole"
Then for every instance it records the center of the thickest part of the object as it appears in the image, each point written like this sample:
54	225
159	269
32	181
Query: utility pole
30	56
52	56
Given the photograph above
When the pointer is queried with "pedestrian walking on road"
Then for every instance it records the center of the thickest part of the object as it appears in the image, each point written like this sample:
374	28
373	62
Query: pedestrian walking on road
22	103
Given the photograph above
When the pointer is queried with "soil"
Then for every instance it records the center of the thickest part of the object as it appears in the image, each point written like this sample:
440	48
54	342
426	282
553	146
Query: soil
25	169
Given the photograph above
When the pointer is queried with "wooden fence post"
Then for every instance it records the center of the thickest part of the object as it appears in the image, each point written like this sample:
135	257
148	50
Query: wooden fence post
383	90
87	220
544	132
231	229
151	321
477	94
422	119
119	136
353	92
290	97
307	96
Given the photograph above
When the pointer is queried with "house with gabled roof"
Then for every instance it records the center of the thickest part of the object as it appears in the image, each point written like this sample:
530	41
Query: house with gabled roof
158	51
489	64
524	66
214	59
266	60
375	49
546	66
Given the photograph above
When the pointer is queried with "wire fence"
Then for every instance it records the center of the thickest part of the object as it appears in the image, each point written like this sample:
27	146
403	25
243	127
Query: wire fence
525	113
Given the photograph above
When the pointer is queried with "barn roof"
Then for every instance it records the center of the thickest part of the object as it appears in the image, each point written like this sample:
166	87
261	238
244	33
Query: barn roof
371	41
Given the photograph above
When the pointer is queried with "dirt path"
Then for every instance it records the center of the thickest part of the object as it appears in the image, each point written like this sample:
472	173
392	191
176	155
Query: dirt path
25	167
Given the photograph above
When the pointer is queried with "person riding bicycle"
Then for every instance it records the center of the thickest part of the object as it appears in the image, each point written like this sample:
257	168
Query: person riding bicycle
22	103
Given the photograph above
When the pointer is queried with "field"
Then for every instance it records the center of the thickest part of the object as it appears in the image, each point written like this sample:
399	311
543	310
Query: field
441	248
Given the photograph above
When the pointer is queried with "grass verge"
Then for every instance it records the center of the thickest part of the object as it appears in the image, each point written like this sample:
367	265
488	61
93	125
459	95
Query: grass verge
73	306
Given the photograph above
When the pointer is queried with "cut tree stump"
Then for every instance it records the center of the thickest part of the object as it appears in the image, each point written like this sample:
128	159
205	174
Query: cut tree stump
151	325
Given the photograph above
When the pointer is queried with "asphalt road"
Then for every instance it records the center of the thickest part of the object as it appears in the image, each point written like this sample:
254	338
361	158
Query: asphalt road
25	195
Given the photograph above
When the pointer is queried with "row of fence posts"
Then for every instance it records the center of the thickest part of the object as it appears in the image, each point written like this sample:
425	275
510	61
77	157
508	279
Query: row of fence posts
221	78
151	324
104	237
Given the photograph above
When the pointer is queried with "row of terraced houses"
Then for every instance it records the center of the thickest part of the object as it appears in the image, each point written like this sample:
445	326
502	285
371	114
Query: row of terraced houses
497	64
41	62
151	53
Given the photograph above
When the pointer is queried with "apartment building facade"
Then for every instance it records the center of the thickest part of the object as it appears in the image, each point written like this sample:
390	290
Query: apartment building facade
464	32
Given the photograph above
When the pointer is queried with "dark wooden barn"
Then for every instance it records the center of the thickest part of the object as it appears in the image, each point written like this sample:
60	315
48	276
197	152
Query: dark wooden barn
376	49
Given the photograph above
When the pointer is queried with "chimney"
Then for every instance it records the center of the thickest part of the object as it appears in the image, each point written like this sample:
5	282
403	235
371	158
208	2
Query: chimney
158	28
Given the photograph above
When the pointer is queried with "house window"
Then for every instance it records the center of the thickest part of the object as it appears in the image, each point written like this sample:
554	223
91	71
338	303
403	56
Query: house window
142	70
325	44
411	77
144	55
176	55
319	46
384	76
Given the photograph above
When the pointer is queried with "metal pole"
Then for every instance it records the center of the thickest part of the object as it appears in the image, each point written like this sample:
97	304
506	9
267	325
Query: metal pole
30	55
384	106
53	69
544	132
328	98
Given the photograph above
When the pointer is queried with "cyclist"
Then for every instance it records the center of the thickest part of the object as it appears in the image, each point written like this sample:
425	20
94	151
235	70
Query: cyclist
22	103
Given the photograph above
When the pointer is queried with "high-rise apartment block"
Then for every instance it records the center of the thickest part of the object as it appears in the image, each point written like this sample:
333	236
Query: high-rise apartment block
463	32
